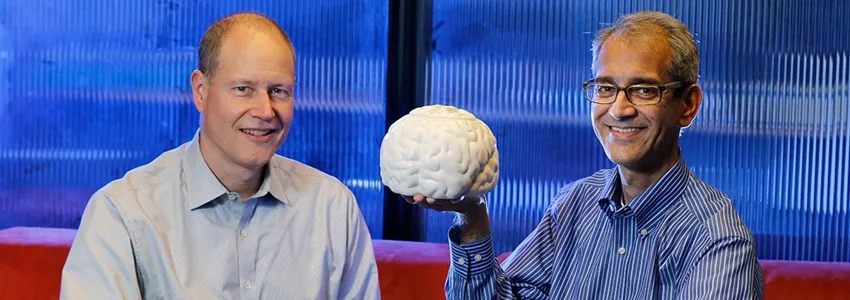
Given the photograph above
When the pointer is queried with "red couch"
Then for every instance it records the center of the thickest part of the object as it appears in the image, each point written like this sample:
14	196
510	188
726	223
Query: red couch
31	261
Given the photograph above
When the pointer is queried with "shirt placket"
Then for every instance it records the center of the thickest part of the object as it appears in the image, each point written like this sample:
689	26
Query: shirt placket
247	251
622	251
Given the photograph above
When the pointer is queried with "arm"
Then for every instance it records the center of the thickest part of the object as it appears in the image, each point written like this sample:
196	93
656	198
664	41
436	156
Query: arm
476	274
728	270
360	274
100	264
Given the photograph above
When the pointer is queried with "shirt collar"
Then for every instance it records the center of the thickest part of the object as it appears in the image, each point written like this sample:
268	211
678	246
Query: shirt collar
650	206
202	186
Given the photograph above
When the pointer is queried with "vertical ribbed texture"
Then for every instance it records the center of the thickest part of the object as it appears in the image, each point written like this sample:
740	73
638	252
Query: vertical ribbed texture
91	89
773	131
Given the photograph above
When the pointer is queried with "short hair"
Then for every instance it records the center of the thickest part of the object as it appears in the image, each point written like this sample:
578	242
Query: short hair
684	56
210	46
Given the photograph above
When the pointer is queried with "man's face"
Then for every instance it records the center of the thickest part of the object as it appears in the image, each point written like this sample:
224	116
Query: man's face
639	137
247	104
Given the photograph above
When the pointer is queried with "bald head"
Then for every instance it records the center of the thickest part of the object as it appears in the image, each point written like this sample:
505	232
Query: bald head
210	47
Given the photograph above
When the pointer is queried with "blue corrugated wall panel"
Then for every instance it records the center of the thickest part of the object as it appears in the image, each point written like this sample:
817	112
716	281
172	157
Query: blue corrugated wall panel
90	89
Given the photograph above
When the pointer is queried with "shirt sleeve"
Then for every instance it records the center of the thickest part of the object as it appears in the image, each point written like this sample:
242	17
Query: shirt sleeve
360	274
728	270
475	272
100	264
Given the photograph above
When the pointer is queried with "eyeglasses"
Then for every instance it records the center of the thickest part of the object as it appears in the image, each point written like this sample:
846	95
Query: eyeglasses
638	94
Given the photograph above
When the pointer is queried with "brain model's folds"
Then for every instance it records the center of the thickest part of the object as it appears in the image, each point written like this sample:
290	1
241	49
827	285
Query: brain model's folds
441	152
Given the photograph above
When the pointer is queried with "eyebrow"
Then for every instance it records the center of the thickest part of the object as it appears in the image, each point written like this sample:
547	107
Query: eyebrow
283	83
632	81
242	82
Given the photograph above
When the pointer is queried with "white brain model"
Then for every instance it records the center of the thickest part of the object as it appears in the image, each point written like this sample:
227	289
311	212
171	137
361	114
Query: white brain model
441	152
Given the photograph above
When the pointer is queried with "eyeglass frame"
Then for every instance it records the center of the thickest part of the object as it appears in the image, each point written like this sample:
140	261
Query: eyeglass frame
672	86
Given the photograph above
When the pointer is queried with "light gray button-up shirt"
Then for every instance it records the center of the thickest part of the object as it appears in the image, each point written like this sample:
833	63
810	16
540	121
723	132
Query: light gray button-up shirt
170	230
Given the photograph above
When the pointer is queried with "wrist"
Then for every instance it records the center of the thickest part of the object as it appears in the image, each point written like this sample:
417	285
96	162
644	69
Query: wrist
474	213
474	223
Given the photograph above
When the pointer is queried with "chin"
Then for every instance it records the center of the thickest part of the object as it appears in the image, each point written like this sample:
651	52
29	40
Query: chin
621	161
623	157
257	159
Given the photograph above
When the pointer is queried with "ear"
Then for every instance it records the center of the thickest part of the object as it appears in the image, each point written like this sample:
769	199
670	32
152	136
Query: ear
692	100
200	88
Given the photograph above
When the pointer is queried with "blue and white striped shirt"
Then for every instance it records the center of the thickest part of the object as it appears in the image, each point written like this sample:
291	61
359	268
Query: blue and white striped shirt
679	239
170	230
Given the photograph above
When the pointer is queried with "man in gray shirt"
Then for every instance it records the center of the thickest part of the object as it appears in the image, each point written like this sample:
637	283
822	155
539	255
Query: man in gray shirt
223	216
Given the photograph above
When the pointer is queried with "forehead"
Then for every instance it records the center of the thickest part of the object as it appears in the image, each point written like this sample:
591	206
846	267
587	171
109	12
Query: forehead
624	58
247	49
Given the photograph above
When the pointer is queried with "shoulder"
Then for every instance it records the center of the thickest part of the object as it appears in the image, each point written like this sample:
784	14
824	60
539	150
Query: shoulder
123	196
161	171
584	189
713	211
155	173
582	195
303	179
595	182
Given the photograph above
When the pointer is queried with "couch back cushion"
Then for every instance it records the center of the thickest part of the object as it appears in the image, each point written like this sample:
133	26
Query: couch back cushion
785	279
31	261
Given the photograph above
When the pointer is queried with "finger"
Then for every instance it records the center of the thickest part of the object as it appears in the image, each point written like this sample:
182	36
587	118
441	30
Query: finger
436	201
419	197
419	201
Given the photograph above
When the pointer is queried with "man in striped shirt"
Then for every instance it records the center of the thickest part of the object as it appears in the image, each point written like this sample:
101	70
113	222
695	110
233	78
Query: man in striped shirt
646	229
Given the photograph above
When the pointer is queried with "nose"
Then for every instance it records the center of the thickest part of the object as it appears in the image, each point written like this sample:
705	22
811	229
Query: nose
263	109
622	108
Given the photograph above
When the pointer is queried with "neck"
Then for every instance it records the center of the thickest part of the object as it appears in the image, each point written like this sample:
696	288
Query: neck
634	181
235	178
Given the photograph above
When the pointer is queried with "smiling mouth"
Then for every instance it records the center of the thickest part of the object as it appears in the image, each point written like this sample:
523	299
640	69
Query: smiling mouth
624	129
258	132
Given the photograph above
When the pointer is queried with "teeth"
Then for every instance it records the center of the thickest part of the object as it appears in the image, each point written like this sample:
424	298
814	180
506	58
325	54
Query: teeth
625	130
256	132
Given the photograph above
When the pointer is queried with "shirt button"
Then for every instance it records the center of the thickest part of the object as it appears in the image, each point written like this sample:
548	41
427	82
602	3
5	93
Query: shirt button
248	285
244	233
477	257
622	250
461	261
231	197
644	232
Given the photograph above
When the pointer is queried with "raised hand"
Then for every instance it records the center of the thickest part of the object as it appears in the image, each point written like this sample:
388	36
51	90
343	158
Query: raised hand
472	214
